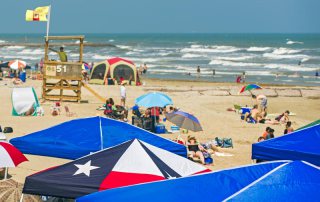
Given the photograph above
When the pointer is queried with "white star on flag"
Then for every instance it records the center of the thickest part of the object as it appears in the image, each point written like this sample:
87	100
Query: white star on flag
85	169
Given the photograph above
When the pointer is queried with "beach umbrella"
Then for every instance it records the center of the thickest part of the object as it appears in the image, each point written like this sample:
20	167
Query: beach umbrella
249	87
271	181
184	120
85	66
17	64
129	163
153	99
10	156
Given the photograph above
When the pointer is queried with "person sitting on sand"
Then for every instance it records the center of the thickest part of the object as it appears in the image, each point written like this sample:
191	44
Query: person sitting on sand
17	81
270	134
289	128
284	117
252	114
195	149
265	133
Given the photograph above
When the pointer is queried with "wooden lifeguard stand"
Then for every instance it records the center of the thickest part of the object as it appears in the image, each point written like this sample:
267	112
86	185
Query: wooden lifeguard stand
62	80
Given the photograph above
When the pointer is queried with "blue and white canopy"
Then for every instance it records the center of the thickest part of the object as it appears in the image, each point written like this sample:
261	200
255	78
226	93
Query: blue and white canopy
273	181
299	145
76	138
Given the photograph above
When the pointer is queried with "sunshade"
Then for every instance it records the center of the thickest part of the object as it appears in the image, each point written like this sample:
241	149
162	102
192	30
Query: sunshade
17	64
310	124
129	163
154	99
272	181
184	120
249	87
85	66
10	190
88	135
299	145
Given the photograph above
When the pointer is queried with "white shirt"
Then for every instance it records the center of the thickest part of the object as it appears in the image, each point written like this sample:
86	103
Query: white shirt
123	91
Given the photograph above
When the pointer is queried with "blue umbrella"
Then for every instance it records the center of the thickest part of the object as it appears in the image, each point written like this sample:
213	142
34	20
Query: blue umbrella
154	99
184	120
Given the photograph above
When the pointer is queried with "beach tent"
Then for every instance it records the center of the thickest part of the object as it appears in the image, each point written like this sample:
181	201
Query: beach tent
299	145
24	101
272	181
132	162
99	72
76	138
310	124
114	68
120	67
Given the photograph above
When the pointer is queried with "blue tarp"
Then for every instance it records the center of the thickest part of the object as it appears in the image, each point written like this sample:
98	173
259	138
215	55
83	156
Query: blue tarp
300	145
79	137
214	186
273	181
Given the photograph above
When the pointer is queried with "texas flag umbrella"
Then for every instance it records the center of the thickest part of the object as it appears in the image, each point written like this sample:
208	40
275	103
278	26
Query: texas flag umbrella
17	64
132	162
10	156
249	87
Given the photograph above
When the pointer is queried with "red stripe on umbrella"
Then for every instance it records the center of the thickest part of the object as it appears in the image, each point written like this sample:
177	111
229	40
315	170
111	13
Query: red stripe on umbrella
10	156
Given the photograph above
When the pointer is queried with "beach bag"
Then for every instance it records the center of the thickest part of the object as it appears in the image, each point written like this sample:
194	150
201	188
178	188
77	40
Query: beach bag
227	142
219	141
7	130
208	160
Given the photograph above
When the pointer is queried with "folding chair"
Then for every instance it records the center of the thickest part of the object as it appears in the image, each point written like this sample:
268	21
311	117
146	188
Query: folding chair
68	112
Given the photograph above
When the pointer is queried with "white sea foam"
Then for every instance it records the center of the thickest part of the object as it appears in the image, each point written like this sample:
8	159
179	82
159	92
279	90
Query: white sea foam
210	49
3	41
31	52
258	72
233	64
294	42
290	67
282	51
279	57
111	40
240	58
99	57
124	47
196	46
258	49
190	55
15	47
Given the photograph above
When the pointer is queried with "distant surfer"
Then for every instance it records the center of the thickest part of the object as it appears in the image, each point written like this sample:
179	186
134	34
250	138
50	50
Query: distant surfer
213	72
299	63
317	74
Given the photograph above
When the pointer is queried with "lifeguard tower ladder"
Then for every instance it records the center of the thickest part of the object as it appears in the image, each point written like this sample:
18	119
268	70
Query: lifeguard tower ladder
62	80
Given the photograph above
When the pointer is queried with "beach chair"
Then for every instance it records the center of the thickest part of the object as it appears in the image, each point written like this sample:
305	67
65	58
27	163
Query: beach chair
237	108
68	112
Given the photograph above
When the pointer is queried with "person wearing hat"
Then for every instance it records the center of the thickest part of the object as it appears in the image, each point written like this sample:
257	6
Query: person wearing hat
195	149
123	93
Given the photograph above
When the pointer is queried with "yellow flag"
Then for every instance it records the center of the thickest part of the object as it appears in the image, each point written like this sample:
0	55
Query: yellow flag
39	14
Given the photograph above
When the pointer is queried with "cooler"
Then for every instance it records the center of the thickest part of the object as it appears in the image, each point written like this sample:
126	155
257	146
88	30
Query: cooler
23	76
160	129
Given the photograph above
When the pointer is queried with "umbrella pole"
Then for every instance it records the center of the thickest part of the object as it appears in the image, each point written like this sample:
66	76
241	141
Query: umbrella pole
6	173
21	199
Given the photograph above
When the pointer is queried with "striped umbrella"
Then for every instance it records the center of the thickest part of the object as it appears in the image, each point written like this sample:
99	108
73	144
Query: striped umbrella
184	120
249	87
10	156
17	64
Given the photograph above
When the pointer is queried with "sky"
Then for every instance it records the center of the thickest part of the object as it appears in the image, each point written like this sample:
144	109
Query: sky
165	16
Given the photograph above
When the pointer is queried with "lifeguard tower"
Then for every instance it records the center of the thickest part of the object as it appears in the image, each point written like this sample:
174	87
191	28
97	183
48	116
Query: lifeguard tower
62	80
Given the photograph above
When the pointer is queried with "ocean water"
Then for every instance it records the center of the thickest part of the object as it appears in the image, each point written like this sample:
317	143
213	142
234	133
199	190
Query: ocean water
265	58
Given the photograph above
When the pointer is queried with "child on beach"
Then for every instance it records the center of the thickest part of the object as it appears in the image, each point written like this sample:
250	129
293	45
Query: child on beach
289	128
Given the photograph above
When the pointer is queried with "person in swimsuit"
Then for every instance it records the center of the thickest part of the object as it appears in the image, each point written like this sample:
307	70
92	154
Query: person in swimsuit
289	128
195	149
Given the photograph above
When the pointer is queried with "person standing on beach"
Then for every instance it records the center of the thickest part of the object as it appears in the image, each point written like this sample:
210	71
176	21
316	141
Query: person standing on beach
145	68
243	79
123	93
62	55
198	71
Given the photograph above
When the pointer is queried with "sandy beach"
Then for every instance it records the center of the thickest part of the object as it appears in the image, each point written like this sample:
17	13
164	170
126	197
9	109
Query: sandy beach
207	101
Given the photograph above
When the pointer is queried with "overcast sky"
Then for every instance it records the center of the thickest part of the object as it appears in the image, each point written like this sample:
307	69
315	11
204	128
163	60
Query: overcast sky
165	16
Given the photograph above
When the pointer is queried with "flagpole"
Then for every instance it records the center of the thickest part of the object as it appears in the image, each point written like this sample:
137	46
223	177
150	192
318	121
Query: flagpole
48	22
